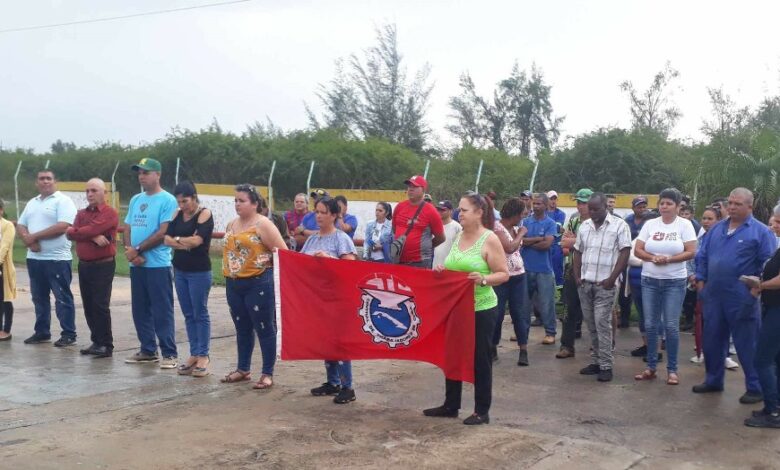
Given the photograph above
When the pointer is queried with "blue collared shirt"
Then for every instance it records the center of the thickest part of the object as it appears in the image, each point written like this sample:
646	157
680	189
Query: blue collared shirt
722	258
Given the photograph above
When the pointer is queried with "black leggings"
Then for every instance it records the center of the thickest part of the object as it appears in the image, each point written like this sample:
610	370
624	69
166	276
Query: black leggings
6	308
483	366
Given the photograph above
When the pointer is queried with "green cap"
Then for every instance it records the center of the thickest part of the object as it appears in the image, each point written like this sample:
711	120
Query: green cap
148	164
583	195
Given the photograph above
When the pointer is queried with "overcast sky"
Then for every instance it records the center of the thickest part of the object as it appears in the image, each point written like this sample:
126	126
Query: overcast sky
132	80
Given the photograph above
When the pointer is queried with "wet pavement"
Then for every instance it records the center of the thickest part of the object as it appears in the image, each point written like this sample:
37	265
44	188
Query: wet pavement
59	409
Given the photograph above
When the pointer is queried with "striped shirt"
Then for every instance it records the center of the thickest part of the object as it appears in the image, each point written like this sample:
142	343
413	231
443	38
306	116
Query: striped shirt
600	247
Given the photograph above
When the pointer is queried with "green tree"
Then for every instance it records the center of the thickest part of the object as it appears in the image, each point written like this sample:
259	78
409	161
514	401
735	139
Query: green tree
518	119
373	97
652	109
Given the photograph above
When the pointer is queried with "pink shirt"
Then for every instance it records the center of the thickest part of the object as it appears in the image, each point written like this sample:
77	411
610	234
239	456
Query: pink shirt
513	260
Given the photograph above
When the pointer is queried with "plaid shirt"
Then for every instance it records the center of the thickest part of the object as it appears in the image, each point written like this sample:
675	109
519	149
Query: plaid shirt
600	247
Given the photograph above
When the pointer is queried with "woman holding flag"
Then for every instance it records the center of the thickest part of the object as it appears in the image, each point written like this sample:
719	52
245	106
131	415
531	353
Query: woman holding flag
330	242
249	284
478	252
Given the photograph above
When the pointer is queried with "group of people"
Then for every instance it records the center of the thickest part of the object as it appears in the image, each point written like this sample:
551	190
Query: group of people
515	256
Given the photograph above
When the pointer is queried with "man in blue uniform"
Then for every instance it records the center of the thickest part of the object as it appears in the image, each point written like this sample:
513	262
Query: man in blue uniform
738	245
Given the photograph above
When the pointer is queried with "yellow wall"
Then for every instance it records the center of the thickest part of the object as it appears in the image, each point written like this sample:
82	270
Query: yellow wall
79	186
623	201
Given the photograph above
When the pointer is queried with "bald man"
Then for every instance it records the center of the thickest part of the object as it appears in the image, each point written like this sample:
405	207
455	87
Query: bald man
94	232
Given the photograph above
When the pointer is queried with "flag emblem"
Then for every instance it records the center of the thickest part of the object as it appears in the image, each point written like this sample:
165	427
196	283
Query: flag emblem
388	310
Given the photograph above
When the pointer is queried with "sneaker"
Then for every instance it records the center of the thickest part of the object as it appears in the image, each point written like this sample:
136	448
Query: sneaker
169	362
751	398
641	351
345	395
37	339
65	341
522	358
759	413
731	364
592	369
698	359
732	350
764	421
564	353
326	389
142	357
548	339
605	375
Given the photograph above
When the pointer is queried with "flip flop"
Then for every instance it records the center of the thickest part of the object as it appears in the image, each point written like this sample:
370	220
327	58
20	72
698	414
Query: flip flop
646	374
672	379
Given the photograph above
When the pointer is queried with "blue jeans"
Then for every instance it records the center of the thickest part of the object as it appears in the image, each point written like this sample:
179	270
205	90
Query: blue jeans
543	284
514	292
636	296
52	276
192	289
339	373
767	360
556	258
253	310
152	305
663	299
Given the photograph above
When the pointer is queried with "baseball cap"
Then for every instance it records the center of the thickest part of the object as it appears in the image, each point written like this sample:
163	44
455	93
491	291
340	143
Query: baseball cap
318	193
527	193
583	195
417	180
638	200
551	194
427	197
148	164
445	204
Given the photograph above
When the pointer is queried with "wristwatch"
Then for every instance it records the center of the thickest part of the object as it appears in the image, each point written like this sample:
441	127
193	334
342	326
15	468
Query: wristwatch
178	239
137	249
483	282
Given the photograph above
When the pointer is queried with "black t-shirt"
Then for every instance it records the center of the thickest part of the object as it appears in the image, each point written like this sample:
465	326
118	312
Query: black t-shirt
771	298
197	259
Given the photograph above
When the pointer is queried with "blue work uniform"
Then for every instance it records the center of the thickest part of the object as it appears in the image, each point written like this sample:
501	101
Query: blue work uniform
729	308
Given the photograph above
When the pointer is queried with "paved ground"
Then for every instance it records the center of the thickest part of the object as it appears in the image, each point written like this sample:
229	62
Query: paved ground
61	410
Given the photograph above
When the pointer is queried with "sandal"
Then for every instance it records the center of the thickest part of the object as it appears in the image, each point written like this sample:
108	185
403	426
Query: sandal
264	383
185	369
672	379
646	374
201	371
235	377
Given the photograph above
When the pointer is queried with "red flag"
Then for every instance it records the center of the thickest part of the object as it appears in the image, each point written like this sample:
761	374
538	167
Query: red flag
343	310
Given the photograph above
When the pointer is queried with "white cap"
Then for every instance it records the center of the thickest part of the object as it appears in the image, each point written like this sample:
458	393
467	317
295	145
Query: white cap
551	194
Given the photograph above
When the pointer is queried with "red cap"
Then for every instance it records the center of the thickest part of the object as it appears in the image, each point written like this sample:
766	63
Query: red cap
418	181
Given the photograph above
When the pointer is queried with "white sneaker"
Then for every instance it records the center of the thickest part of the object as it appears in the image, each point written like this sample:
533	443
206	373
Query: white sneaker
731	364
169	363
732	349
697	359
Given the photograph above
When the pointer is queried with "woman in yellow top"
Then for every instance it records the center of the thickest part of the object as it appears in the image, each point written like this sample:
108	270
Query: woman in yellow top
477	251
247	264
7	275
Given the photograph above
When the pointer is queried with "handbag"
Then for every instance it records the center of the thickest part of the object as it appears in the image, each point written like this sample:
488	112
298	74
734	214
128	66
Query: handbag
397	245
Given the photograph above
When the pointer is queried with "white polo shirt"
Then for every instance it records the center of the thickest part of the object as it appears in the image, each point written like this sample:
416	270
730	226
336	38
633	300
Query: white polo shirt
40	214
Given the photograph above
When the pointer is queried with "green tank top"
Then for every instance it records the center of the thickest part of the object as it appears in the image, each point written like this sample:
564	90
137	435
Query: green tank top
469	261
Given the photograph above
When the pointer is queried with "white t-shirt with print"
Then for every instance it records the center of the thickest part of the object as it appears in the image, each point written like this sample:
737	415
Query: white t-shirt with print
666	240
